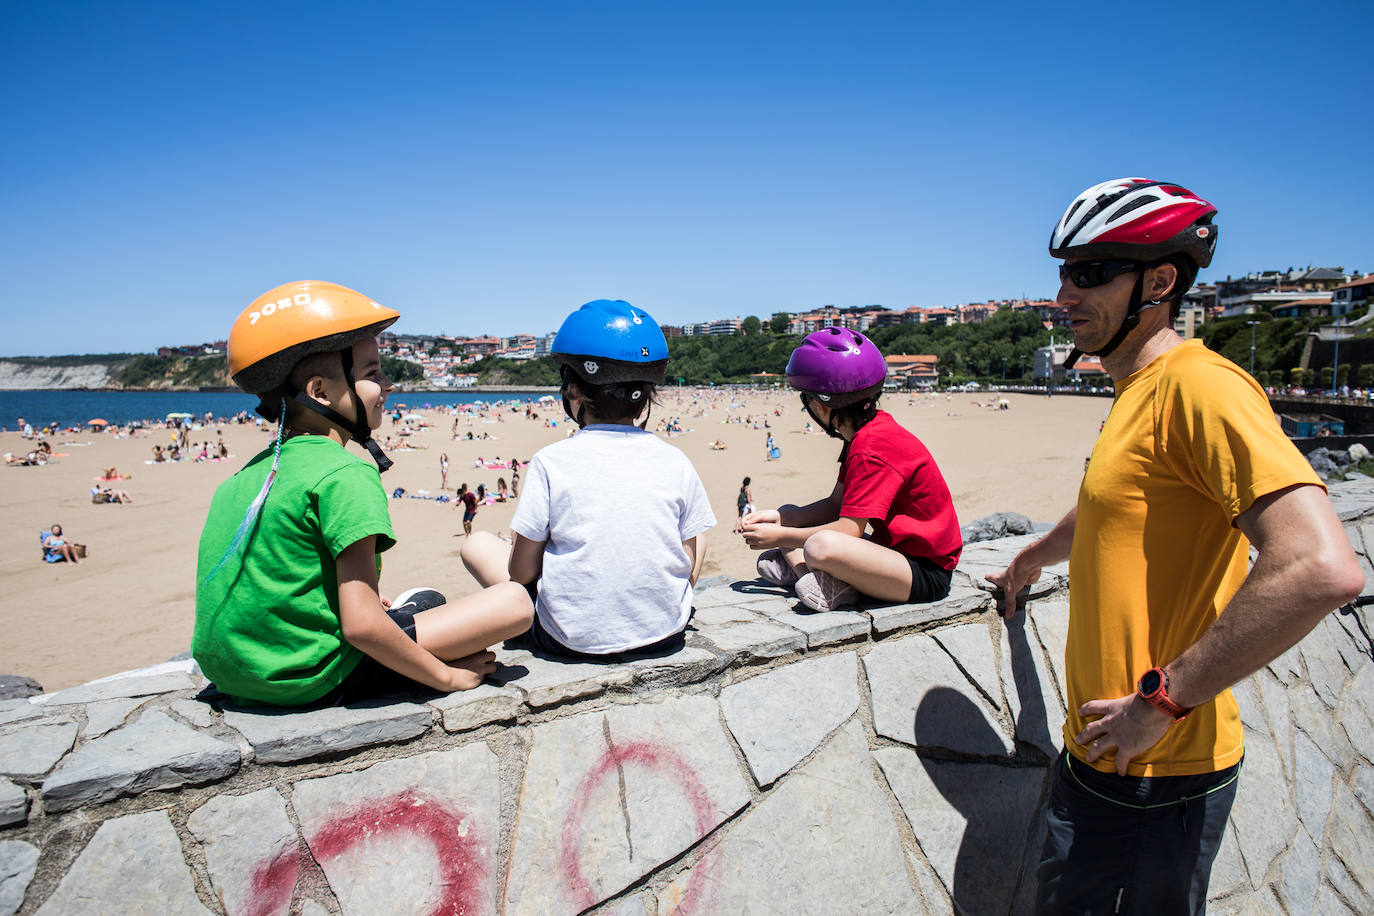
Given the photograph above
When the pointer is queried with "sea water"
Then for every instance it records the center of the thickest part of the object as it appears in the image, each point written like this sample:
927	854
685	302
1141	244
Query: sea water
76	408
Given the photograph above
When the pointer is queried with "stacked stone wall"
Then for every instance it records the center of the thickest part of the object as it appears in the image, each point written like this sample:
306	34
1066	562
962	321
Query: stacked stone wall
888	760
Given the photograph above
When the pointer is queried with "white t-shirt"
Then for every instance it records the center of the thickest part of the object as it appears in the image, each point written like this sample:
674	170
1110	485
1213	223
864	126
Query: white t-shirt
613	505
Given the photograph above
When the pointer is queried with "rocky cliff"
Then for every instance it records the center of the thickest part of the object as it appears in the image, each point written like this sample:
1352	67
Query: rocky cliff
28	375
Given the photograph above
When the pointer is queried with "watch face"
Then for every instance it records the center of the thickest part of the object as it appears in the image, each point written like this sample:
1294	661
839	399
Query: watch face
1149	682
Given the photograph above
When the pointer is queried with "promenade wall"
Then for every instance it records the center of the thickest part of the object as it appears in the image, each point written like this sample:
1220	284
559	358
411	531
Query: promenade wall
889	760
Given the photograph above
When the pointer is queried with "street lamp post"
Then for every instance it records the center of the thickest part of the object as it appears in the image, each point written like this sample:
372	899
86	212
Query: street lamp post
1252	322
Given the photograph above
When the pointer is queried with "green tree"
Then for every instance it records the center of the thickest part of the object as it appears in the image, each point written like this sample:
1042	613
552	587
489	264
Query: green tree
1365	375
750	325
779	322
402	370
1343	375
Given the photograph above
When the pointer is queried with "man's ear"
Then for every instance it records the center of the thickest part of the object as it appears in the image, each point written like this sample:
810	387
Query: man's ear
1163	279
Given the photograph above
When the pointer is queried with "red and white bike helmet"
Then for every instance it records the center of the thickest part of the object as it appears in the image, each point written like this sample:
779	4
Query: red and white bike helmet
1137	219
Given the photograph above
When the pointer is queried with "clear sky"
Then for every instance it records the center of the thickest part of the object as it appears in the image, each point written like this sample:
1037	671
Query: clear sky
487	167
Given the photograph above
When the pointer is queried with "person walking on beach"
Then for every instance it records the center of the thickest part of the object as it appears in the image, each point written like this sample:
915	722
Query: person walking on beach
288	611
468	500
1189	472
888	481
443	471
514	477
768	446
744	504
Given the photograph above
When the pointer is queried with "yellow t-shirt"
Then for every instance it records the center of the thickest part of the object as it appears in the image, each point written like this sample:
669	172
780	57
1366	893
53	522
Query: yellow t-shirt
1191	442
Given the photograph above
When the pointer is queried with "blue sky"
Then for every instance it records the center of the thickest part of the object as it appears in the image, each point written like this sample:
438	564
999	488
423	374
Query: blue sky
486	168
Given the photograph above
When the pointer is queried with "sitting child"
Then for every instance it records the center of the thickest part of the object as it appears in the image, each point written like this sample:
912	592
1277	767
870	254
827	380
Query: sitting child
888	480
287	605
607	533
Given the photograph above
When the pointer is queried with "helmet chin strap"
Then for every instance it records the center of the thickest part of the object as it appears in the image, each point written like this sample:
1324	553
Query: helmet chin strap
358	429
1128	325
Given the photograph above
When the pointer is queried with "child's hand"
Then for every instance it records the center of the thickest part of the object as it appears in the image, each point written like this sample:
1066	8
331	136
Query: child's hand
763	535
386	602
762	516
467	673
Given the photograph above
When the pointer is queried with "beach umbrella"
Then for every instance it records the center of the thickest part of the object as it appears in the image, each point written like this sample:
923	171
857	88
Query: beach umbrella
413	416
97	422
183	416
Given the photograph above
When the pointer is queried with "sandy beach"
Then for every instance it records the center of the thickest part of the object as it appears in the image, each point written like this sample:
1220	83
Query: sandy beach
132	601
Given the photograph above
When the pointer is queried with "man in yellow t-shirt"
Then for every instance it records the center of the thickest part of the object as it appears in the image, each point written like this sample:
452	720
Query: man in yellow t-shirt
1190	470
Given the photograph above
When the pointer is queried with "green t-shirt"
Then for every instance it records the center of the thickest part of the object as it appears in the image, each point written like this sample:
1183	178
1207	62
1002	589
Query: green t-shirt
267	623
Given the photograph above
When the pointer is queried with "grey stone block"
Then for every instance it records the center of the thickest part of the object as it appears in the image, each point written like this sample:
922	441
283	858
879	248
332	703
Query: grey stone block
1325	668
920	697
962	600
1311	716
1287	667
1314	775
132	865
251	851
153	753
781	716
14	803
30	751
411	835
1274	698
118	687
685	666
1051	622
715	615
825	629
1037	711
464	710
1263	813
971	646
284	736
931	896
12	711
1228	869
194	712
1300	876
823	841
1350	642
18	862
103	715
1364	786
609	797
724	596
1340	879
1351	835
548	683
1328	904
756	640
966	815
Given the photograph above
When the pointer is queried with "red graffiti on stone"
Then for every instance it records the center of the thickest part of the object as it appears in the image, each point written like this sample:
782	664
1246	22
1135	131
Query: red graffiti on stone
463	871
649	756
273	881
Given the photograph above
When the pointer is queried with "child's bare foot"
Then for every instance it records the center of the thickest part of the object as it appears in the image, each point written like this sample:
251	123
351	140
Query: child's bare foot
467	673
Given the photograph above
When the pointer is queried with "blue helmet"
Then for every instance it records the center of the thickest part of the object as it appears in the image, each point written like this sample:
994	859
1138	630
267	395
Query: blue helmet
609	341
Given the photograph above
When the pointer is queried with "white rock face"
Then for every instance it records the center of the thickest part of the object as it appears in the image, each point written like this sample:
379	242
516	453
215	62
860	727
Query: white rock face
21	377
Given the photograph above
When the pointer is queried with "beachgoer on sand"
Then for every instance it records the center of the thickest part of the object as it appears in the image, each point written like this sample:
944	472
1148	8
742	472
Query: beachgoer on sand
468	500
744	504
888	481
57	548
1166	609
443	471
288	611
606	580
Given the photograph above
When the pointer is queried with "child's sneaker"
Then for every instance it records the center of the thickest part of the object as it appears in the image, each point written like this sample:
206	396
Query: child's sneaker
415	600
775	569
823	592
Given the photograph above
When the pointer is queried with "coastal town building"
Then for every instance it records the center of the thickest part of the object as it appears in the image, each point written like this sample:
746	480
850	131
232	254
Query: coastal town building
904	371
1353	294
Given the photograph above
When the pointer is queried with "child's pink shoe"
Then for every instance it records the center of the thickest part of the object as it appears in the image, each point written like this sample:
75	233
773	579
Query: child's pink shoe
823	592
775	569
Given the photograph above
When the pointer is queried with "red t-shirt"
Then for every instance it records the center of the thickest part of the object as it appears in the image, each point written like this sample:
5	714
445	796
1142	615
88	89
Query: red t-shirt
890	477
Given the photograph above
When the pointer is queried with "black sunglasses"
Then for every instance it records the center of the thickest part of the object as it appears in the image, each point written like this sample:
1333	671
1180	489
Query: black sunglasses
1087	274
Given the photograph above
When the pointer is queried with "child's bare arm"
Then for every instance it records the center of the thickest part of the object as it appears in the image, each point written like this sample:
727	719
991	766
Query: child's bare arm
696	552
367	627
526	560
814	515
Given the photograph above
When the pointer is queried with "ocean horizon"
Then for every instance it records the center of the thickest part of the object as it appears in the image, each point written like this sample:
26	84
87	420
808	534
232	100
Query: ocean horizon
67	407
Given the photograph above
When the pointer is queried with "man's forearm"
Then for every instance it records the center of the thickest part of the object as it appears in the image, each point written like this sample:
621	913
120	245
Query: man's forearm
1054	547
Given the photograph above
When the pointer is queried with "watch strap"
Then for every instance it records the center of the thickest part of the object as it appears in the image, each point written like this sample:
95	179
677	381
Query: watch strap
1159	698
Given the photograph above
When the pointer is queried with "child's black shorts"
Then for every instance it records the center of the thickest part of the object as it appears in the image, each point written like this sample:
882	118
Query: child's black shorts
929	582
373	679
541	640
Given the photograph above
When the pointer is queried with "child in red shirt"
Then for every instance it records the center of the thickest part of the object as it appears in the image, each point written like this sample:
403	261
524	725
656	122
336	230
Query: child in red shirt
888	482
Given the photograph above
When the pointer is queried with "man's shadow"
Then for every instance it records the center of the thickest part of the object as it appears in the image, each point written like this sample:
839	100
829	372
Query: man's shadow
994	870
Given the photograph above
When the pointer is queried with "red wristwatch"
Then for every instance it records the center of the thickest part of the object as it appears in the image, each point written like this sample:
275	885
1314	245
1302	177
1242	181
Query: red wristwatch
1154	689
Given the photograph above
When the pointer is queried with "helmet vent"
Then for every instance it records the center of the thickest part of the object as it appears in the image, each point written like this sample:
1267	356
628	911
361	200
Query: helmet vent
1131	205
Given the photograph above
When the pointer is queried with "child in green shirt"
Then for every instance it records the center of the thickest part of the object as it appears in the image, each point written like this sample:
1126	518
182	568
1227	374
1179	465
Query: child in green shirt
288	611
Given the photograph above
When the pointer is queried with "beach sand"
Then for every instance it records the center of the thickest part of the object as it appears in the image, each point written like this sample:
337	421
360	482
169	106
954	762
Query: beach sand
132	601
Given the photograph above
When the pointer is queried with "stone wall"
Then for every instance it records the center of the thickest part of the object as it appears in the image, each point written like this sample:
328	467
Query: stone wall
888	760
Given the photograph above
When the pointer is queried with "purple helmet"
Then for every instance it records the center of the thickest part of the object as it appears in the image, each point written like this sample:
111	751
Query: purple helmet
838	366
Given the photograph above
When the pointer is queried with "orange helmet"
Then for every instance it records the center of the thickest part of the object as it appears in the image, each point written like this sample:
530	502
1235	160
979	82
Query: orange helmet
286	324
